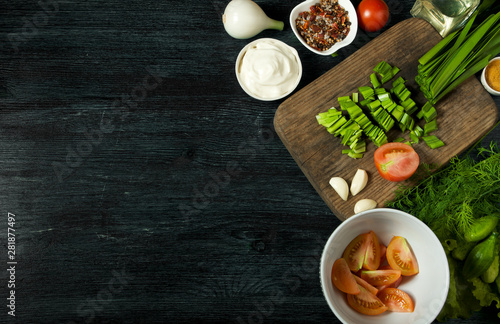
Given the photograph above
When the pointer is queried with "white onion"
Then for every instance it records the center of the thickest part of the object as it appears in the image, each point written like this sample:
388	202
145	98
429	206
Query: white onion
244	19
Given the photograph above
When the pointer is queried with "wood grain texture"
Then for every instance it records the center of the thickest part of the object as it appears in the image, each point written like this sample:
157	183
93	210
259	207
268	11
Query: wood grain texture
148	202
464	116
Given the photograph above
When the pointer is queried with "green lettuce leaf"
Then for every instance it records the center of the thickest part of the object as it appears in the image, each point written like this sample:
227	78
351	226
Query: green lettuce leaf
485	293
459	303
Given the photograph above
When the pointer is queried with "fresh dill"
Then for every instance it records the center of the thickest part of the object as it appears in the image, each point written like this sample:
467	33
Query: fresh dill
449	199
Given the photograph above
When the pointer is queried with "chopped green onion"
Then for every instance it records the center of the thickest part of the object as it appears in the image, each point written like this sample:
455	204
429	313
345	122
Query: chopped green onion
346	124
359	146
383	118
366	92
365	102
433	141
397	89
428	112
347	103
386	71
430	127
398	113
384	96
374	80
404	94
418	131
398	81
409	106
395	70
344	98
352	154
337	125
373	105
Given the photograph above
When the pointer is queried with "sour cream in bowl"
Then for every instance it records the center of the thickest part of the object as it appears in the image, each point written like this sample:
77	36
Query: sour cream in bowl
268	69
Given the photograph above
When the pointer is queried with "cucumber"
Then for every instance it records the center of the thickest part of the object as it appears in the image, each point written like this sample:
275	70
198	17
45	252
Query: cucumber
492	273
481	257
482	227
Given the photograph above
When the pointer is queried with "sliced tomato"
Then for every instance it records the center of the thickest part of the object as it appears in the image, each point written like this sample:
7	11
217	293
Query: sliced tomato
372	255
342	277
355	252
392	285
366	303
396	161
400	256
380	277
366	285
396	300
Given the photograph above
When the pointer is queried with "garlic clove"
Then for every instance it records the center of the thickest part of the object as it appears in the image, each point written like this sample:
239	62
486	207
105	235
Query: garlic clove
359	181
340	186
364	204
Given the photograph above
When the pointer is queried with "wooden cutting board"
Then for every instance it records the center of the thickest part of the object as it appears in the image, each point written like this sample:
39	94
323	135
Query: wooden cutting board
464	115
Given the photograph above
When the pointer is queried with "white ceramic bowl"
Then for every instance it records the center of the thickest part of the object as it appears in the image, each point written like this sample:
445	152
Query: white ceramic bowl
353	18
267	65
428	289
485	84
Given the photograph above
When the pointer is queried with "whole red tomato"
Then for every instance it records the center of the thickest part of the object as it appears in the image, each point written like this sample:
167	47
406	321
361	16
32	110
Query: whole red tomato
372	15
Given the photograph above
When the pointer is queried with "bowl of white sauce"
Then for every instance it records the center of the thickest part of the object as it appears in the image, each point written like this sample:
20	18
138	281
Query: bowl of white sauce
268	69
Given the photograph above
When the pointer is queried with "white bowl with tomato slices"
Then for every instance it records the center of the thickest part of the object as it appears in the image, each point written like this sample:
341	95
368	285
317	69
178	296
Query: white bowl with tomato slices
426	284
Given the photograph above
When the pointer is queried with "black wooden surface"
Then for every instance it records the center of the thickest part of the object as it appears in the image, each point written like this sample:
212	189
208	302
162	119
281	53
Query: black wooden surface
147	187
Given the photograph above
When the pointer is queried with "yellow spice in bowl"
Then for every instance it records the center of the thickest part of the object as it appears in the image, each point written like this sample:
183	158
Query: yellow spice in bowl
492	75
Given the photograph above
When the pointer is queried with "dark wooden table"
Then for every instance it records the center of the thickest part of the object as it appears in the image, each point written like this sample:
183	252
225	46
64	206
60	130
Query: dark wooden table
146	186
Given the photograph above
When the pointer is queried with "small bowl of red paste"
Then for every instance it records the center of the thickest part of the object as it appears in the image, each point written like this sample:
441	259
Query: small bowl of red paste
324	26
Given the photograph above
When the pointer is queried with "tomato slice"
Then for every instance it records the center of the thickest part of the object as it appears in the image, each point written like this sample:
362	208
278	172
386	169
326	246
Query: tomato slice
343	279
366	303
355	252
363	252
380	277
396	300
396	161
371	289
392	285
400	256
372	255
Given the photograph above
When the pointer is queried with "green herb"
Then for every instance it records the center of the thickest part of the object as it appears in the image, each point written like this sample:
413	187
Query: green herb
443	198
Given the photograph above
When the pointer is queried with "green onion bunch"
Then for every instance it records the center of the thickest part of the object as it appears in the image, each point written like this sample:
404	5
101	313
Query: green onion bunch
458	56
